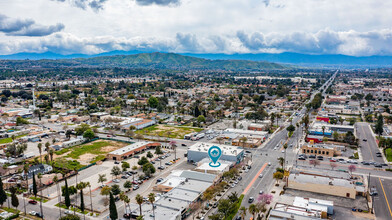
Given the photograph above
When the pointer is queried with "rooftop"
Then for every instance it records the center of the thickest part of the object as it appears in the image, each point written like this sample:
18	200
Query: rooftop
226	149
129	148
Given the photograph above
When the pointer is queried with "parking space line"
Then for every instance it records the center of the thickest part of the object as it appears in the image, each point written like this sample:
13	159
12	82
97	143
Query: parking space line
254	179
385	195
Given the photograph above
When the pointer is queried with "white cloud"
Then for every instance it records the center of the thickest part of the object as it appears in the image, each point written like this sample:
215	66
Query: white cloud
359	27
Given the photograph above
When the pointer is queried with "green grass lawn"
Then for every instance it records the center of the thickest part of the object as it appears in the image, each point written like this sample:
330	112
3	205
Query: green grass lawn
38	199
92	148
9	140
168	131
388	154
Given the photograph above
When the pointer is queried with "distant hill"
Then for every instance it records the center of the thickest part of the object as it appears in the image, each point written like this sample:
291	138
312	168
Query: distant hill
149	60
287	58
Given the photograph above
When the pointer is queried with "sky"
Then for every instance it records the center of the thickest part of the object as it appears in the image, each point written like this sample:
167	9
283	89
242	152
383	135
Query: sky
349	27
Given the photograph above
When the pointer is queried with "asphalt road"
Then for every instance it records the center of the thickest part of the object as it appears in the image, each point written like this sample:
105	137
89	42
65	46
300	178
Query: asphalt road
383	201
369	148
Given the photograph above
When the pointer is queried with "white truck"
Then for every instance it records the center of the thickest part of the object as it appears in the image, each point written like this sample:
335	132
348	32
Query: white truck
198	137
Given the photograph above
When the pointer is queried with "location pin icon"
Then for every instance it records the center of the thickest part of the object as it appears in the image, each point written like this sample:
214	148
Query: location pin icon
214	153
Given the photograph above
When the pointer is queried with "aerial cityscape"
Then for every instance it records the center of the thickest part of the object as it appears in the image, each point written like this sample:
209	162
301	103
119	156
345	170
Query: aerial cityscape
195	110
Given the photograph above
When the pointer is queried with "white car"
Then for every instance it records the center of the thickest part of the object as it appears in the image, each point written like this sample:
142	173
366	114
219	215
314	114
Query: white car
33	213
116	181
261	175
68	212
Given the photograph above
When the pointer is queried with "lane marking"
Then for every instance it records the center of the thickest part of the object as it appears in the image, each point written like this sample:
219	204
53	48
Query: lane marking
367	143
254	179
385	195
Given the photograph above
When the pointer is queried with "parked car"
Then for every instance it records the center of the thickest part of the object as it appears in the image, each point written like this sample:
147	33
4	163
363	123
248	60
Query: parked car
251	199
116	181
116	162
364	139
378	165
184	145
320	158
32	213
247	151
39	215
161	167
215	205
124	176
127	216
135	187
68	212
261	175
312	156
261	192
33	202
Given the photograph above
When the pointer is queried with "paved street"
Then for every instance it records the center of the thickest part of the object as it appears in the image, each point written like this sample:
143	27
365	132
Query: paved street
383	201
369	148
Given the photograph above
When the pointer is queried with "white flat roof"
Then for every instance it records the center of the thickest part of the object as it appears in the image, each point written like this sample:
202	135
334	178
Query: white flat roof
226	149
129	148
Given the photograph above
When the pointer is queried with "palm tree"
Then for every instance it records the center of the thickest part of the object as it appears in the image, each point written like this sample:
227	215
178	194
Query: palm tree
124	198
76	202
151	198
80	187
101	178
40	184
51	152
173	144
26	171
253	210
139	201
40	150
323	127
47	144
243	212
55	180
91	200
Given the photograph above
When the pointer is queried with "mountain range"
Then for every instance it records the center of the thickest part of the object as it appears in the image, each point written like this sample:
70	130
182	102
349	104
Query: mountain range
154	60
286	58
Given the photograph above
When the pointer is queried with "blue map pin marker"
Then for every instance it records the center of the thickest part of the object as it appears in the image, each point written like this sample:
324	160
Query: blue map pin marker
215	153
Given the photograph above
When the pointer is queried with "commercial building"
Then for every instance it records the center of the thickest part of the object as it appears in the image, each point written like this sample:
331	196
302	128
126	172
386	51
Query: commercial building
199	151
327	150
174	205
331	183
130	150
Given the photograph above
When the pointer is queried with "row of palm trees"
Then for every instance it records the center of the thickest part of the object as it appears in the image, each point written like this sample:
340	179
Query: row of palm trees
253	210
139	200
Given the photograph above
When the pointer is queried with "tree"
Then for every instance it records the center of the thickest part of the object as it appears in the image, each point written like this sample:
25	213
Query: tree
14	198
112	208
152	102
125	165
81	186
105	191
281	161
143	161
314	162
253	210
89	134
67	200
278	176
139	201
21	121
335	135
290	128
333	165
81	129
224	207
128	184
201	119
40	202
51	152
101	178
148	169
151	199
35	191
3	195
243	212
40	150
115	190
265	198
150	155
173	144
379	129
216	216
115	171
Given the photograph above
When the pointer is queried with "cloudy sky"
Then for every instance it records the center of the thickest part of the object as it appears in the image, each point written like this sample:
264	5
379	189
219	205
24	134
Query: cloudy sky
351	27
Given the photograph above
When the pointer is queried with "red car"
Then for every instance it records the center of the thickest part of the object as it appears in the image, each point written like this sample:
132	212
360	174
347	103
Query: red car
32	202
